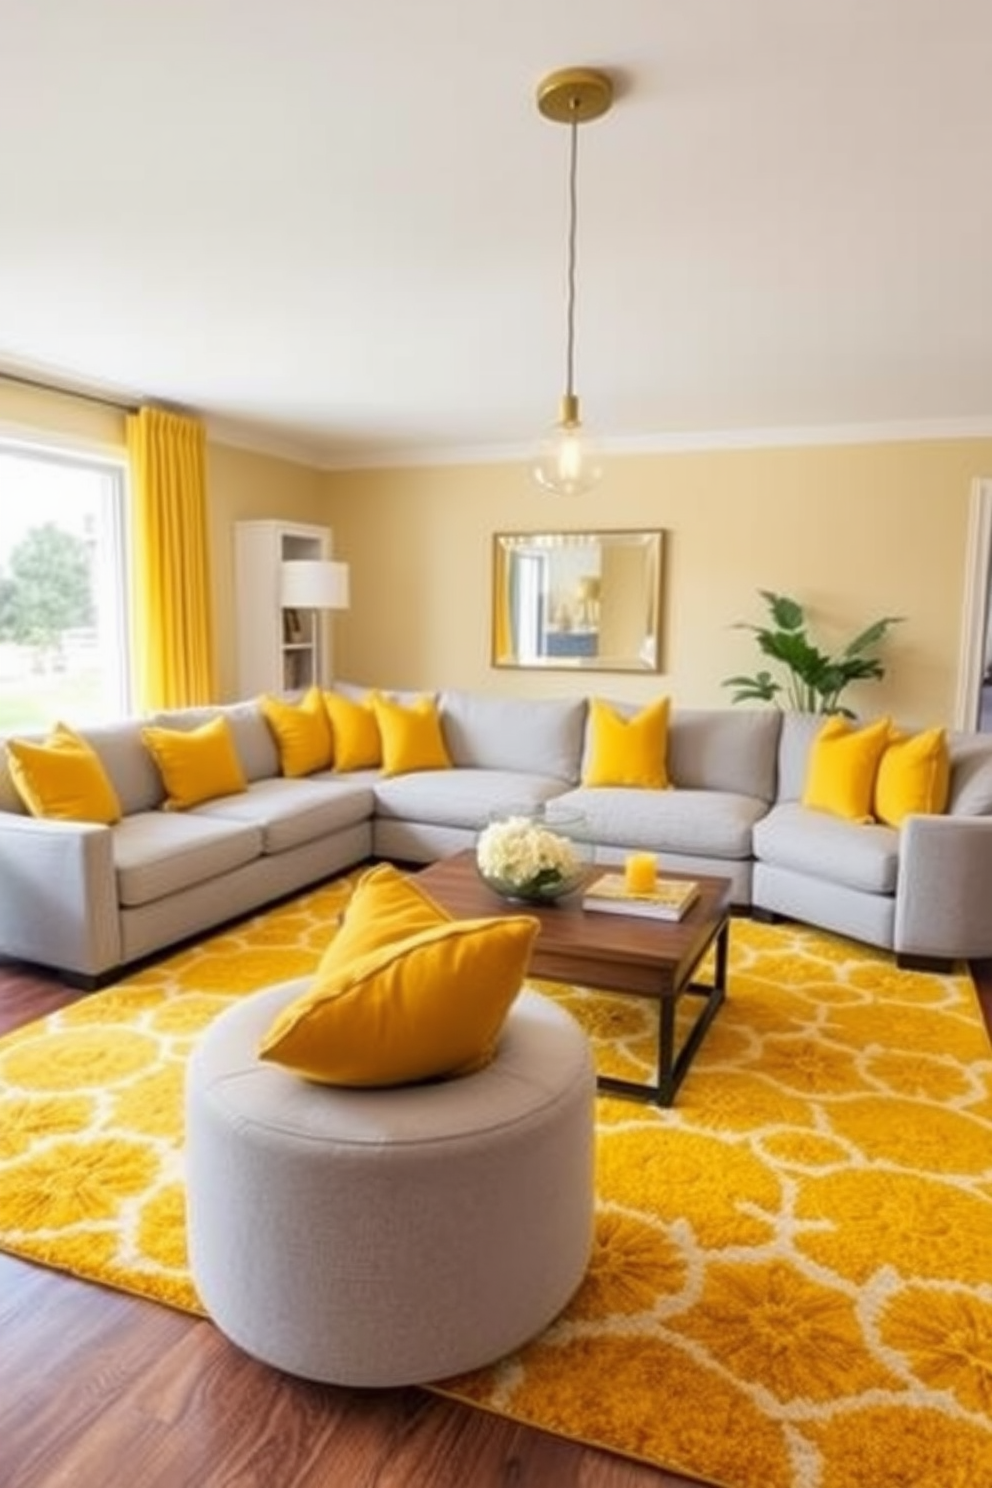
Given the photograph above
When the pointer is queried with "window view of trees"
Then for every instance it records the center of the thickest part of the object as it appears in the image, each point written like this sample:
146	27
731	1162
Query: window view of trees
62	590
48	591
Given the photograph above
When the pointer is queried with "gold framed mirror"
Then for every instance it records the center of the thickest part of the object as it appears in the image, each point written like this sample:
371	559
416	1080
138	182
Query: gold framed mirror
588	601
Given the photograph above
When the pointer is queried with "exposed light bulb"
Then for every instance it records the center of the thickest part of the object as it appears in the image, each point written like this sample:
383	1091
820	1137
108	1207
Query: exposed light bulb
568	462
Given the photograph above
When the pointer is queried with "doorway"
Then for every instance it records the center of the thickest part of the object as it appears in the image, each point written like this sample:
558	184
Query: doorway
974	700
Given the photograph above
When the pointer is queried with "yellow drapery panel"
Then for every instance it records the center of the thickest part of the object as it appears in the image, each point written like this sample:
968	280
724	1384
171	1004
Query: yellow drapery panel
503	638
173	626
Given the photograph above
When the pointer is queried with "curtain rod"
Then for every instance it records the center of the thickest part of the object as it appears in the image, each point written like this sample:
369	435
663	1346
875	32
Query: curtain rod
66	392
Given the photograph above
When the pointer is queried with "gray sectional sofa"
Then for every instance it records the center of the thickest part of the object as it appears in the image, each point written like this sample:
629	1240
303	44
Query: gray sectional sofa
90	900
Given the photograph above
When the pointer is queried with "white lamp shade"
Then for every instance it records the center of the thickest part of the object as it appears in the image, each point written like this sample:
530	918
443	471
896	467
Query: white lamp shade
313	584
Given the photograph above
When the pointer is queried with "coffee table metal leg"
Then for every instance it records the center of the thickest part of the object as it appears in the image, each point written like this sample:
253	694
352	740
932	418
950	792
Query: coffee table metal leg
672	1067
665	1090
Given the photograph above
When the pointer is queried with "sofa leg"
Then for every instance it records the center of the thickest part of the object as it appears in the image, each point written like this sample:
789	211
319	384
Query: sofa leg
80	982
765	916
940	965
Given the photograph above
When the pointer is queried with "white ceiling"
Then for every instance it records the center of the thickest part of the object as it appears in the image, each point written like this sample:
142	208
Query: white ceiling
342	222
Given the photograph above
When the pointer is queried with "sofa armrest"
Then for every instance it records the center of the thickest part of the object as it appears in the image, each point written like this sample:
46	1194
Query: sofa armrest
58	894
944	892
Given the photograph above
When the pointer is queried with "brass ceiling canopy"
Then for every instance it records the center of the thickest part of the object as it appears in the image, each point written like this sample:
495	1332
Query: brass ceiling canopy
574	95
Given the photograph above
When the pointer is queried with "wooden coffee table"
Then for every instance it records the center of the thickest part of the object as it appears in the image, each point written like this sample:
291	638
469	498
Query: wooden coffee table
615	953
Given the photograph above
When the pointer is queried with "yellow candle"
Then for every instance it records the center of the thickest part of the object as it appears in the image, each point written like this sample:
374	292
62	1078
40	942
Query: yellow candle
640	873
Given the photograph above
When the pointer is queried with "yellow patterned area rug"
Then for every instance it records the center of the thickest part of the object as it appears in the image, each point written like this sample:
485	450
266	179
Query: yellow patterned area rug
792	1279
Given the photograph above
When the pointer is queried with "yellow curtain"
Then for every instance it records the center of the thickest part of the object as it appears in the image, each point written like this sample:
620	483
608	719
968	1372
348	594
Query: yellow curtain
503	639
173	625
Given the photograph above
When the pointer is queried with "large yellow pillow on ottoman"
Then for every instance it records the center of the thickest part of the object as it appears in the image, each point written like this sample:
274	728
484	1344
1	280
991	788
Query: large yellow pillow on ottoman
386	906
404	992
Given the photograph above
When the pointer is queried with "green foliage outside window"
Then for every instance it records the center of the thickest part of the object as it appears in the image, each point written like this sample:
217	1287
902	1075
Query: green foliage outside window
48	589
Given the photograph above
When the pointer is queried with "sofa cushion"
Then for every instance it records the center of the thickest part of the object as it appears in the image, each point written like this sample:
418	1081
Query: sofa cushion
716	824
157	853
493	733
971	775
828	847
291	812
461	798
63	778
252	736
797	733
725	749
359	693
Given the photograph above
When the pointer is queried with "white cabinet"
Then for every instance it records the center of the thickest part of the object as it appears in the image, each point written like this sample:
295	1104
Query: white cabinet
279	649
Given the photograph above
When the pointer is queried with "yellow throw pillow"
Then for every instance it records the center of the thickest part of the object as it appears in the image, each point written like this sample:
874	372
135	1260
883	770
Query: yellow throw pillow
411	736
404	993
913	776
63	778
196	764
302	732
628	751
386	906
356	743
843	762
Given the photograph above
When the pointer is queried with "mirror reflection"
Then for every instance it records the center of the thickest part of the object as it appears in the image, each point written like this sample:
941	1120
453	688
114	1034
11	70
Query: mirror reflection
587	600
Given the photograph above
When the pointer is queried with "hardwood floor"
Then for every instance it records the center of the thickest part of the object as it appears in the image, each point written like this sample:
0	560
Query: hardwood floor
98	1388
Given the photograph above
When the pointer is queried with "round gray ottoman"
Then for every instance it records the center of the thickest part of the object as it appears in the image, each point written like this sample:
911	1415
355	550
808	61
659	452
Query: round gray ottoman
389	1237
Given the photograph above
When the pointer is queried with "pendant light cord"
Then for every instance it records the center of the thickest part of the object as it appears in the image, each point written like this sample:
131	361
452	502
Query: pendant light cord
572	233
566	464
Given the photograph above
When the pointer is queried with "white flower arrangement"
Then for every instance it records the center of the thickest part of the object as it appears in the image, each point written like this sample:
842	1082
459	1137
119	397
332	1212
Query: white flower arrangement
524	858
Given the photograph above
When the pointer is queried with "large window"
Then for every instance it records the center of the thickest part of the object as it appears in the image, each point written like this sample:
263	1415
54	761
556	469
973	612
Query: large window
63	589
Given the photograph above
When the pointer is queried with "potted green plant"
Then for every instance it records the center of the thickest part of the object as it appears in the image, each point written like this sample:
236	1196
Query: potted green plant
814	681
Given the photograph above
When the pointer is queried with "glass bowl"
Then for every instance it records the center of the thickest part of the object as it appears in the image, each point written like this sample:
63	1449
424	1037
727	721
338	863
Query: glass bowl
533	855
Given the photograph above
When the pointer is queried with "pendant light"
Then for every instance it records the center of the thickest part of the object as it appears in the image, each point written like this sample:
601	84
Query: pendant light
566	464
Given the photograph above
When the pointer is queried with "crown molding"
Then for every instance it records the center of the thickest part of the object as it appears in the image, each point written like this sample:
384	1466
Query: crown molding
685	442
261	441
897	431
264	440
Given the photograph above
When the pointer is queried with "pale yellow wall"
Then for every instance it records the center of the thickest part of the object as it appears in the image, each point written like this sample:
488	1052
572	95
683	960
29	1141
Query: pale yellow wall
853	532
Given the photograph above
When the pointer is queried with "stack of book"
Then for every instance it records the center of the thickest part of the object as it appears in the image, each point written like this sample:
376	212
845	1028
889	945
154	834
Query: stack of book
667	900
